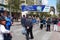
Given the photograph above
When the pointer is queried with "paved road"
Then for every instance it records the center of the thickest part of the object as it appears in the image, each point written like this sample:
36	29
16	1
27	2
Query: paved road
38	34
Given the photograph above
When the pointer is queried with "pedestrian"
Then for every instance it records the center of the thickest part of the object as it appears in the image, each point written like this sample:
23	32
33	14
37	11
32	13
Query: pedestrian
37	20
55	22
23	19
48	24
33	20
4	33
41	24
8	20
44	22
29	27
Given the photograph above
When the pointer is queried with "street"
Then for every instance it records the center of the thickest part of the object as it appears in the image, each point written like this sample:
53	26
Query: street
13	13
38	34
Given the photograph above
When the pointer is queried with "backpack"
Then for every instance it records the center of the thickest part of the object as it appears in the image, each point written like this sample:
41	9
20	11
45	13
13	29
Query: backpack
8	23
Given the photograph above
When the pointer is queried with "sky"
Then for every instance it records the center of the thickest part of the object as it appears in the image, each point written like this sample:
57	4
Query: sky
52	3
49	2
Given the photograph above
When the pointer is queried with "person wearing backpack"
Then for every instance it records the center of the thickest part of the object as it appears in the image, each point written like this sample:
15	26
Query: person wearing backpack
8	20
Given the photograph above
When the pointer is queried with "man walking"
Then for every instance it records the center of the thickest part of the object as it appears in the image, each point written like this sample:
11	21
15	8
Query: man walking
23	19
48	24
41	24
29	27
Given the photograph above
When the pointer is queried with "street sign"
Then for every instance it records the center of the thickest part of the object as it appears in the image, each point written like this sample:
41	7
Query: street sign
38	8
46	9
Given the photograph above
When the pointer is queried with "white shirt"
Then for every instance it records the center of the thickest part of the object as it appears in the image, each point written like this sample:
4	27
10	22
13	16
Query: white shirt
3	30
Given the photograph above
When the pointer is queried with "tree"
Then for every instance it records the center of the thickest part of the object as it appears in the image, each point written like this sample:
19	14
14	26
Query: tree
14	4
54	16
58	6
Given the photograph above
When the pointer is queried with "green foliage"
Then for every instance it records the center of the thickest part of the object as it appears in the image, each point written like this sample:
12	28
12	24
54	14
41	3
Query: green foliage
45	14
54	16
31	14
59	15
15	4
58	7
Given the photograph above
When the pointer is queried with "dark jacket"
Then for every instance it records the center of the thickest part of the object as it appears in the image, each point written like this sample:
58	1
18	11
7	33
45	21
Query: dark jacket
48	22
28	23
43	21
23	19
55	21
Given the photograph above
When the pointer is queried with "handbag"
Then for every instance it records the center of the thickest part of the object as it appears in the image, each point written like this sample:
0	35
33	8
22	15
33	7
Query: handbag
24	32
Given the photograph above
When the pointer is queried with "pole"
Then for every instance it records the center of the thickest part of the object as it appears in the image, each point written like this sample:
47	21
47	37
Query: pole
10	10
35	2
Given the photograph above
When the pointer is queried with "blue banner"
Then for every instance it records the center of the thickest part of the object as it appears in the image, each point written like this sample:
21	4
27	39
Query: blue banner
38	8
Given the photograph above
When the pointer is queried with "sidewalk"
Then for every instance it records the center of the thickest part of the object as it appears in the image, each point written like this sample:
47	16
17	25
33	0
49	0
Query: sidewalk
56	35
38	34
16	23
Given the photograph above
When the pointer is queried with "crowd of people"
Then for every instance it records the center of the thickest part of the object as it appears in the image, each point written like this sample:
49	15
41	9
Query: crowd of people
5	25
28	22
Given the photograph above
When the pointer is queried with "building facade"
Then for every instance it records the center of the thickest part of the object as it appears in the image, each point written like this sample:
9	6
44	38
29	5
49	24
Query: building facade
32	2
4	2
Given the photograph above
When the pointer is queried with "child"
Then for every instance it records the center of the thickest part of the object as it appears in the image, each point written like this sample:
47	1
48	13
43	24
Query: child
3	32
